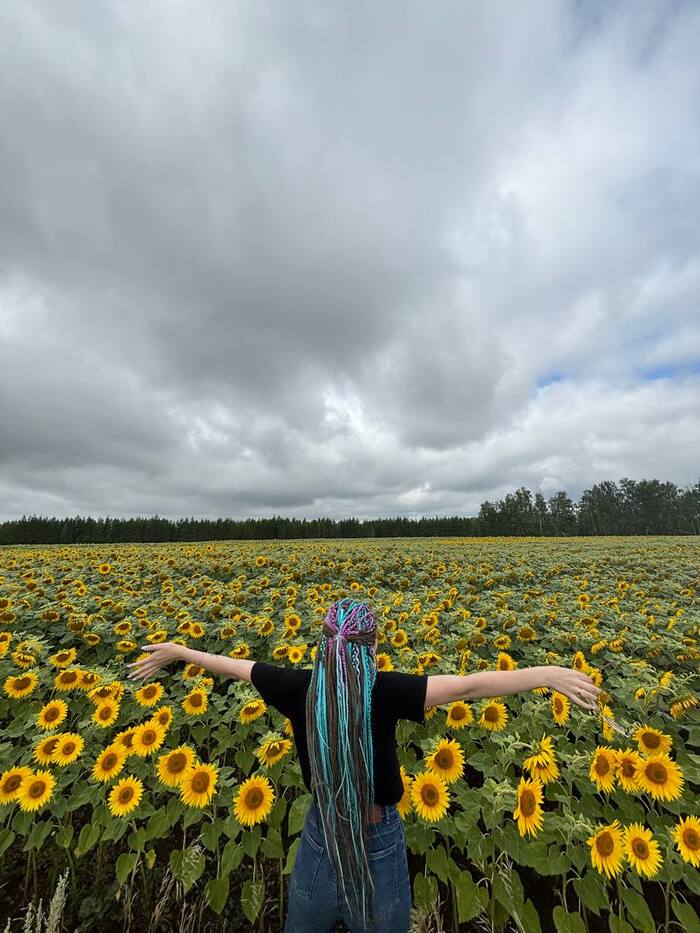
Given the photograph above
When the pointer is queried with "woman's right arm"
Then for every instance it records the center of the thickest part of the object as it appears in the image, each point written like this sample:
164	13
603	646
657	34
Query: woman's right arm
168	651
446	688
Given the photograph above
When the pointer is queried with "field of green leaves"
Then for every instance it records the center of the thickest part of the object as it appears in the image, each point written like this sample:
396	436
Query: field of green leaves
177	803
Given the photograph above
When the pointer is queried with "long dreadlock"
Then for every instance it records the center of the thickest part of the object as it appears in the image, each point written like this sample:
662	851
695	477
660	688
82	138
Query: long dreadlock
339	737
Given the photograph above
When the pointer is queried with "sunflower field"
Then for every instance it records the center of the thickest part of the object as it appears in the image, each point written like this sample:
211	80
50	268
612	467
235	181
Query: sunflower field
181	796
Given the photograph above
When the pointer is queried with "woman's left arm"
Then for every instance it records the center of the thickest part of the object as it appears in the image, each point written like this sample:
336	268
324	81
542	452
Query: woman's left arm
167	651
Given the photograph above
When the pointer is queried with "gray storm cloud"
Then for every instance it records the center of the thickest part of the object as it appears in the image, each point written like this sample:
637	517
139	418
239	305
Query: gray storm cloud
320	259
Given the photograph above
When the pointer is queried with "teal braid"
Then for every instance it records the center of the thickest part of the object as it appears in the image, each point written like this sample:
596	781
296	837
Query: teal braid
339	737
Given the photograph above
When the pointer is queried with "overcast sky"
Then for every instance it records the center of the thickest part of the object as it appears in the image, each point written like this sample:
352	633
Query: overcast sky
317	258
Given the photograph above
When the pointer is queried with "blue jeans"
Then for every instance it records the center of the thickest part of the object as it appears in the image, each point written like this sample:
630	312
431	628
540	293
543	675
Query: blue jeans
315	902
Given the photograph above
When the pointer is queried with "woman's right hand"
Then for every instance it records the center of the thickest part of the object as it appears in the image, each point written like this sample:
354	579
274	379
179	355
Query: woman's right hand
577	686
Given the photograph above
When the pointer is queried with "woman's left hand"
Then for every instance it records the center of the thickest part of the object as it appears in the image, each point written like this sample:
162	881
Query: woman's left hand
159	656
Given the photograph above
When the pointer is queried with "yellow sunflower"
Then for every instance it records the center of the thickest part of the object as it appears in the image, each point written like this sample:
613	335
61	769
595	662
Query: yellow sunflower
52	714
148	737
447	761
252	710
279	652
494	716
543	754
686	834
198	784
109	762
272	749
384	662
253	801
400	638
429	712
149	694
560	708
163	716
603	768
651	741
607	849
125	796
173	765
405	805
69	746
544	772
11	782
661	777
67	680
430	796
106	713
296	653
528	810
35	790
459	715
196	702
45	750
641	849
628	764
22	686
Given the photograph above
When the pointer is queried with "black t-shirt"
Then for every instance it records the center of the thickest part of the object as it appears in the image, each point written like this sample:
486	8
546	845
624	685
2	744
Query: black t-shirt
395	696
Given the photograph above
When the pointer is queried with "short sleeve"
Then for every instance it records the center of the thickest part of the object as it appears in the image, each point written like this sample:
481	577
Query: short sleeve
280	687
404	694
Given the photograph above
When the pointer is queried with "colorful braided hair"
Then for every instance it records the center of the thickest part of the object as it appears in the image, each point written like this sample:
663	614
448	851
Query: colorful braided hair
339	737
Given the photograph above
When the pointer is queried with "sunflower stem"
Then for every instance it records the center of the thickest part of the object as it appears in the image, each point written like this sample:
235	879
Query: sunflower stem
667	905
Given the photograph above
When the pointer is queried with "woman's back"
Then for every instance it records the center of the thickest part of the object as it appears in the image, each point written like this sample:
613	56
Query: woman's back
395	696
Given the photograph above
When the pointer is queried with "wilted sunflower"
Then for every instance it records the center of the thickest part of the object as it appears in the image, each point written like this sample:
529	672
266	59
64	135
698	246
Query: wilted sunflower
661	777
172	766
447	761
607	849
22	686
686	834
106	713
11	781
109	762
149	694
252	710
148	737
36	790
198	784
272	749
430	796
253	801
641	849
651	741
628	764
405	805
52	714
494	716
528	809
459	715
125	796
69	746
603	768
384	662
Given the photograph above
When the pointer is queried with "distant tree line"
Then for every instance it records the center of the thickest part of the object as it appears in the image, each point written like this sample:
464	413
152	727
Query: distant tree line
630	507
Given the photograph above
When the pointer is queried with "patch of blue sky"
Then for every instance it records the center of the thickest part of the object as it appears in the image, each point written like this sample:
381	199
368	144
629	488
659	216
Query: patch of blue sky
547	378
669	372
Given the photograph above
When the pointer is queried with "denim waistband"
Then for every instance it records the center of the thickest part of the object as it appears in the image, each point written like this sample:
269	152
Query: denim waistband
389	814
